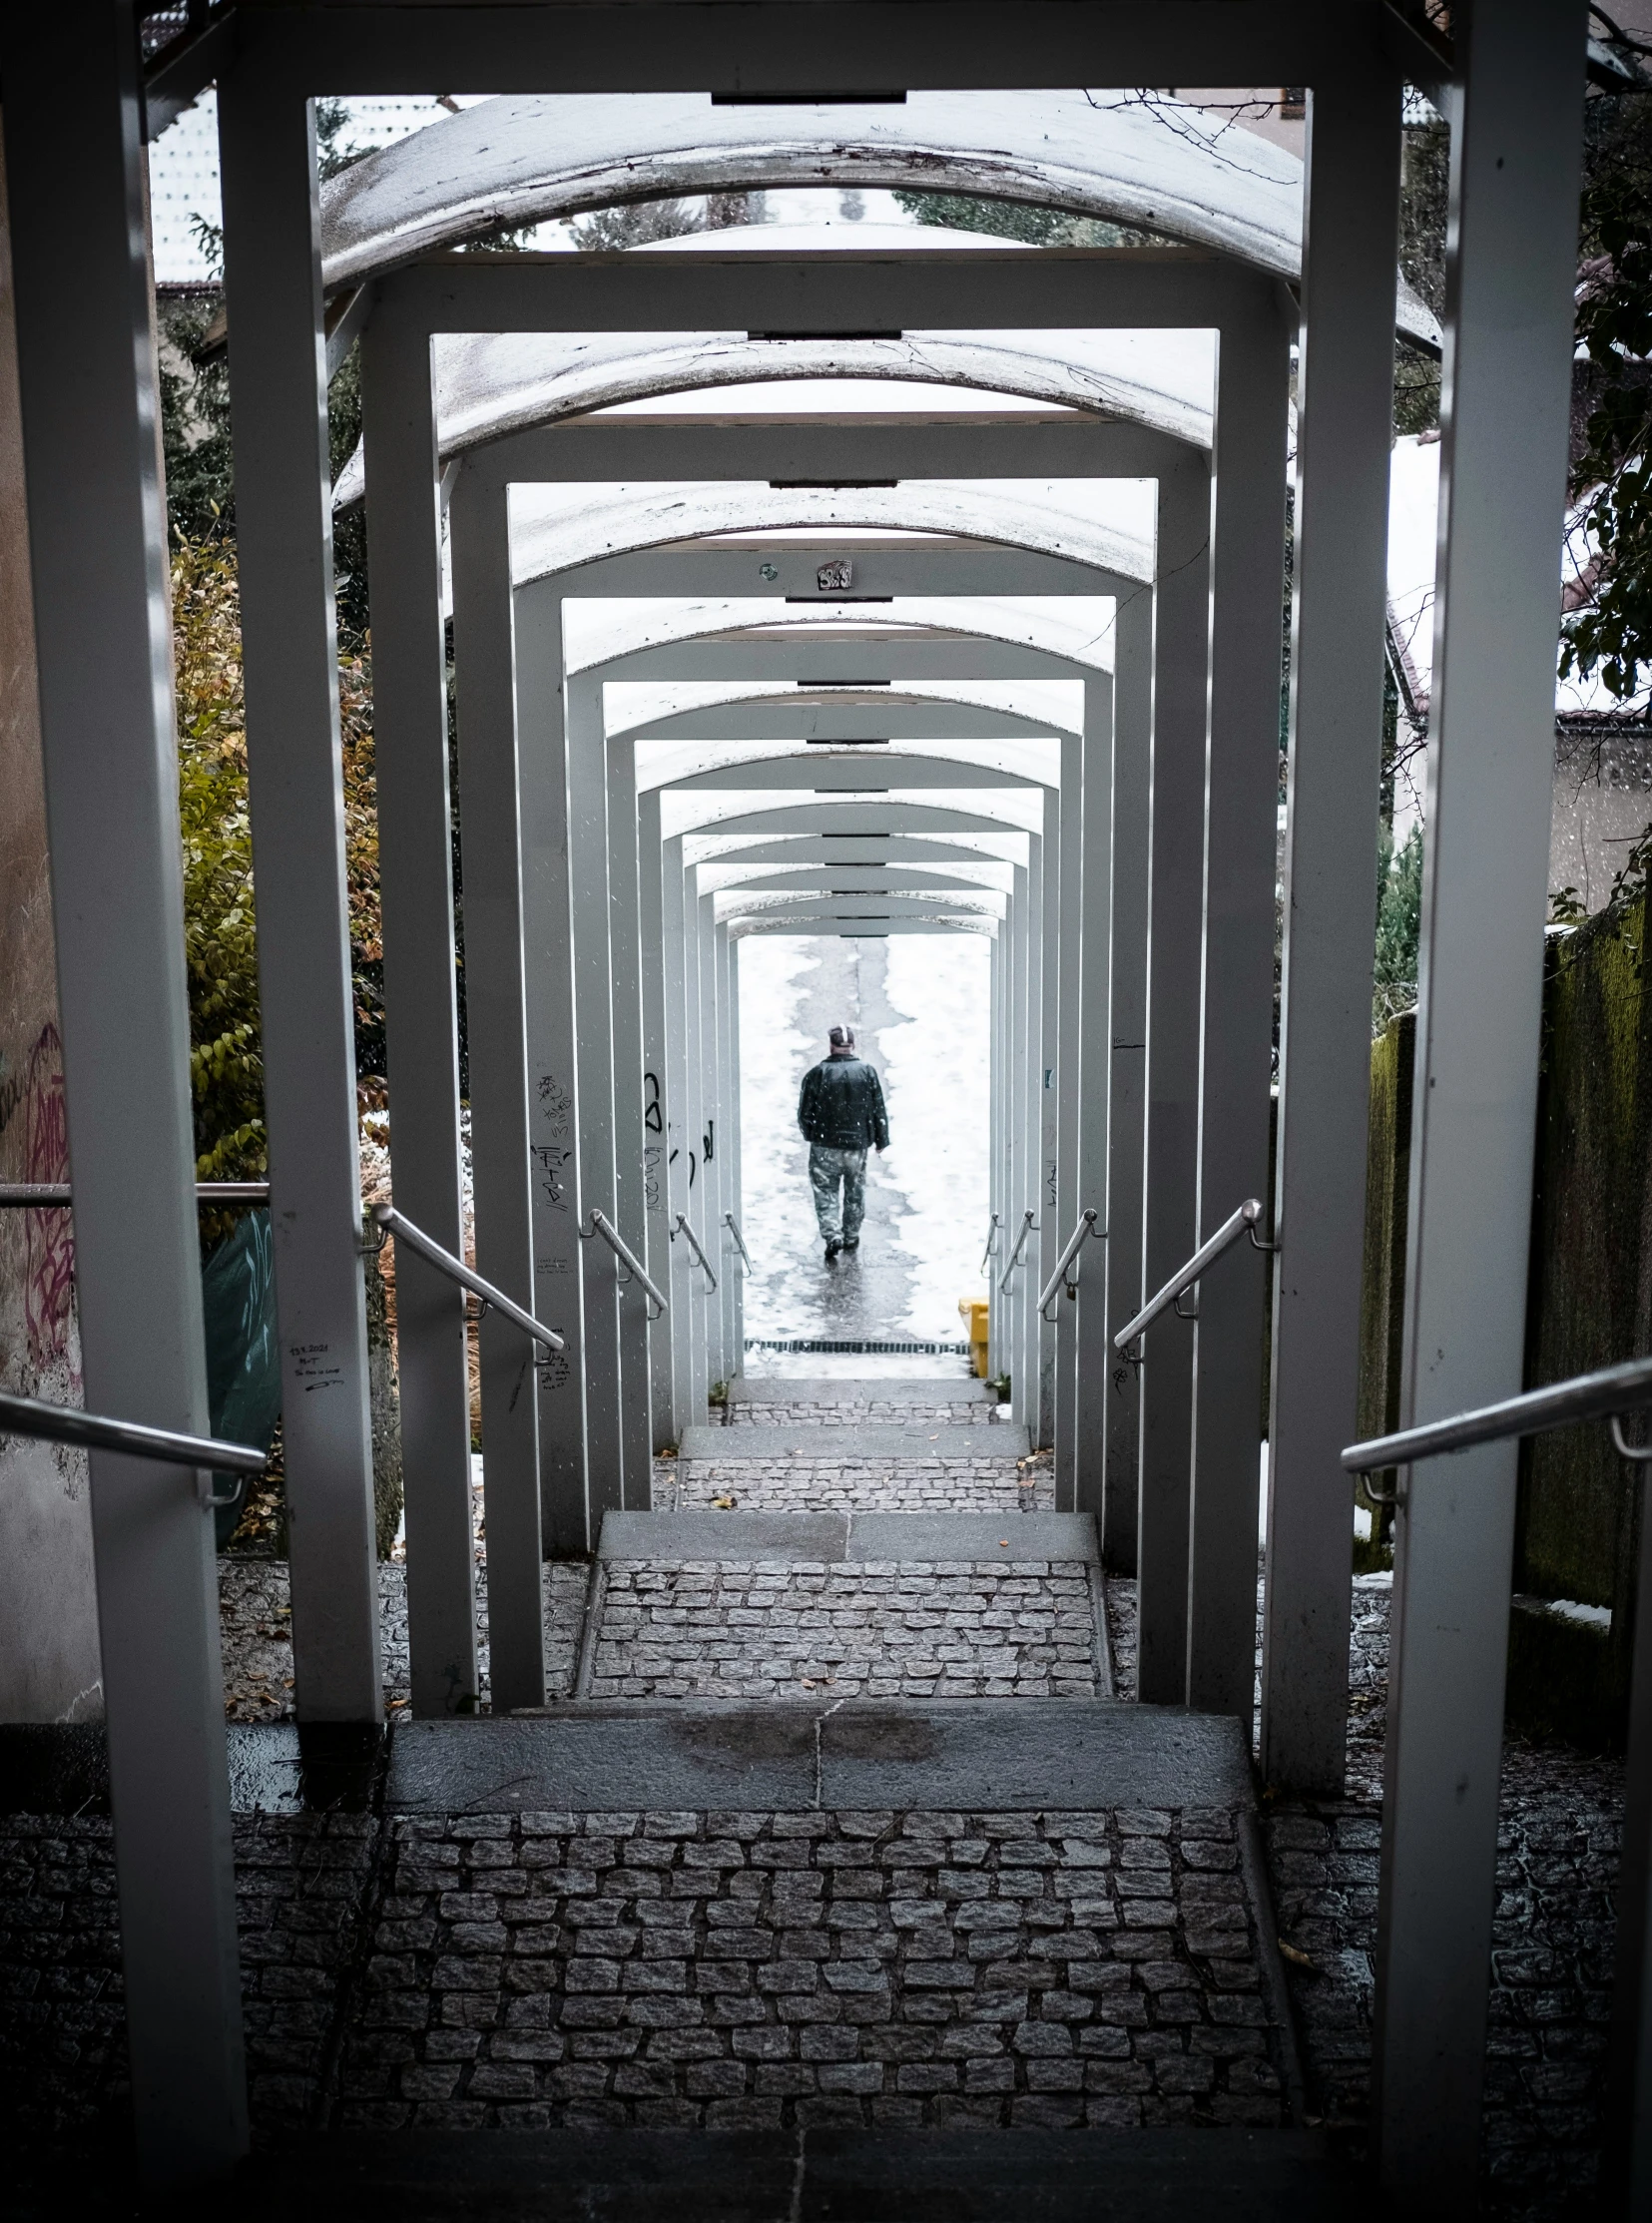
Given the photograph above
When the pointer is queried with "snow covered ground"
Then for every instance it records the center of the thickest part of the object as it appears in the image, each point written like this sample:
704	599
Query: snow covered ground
919	1006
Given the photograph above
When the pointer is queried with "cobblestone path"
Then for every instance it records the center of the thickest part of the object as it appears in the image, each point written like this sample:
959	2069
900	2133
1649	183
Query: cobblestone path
756	1629
749	1971
905	1968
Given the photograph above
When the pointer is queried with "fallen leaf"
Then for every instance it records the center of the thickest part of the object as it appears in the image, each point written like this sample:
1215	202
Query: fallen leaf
1003	1543
1296	1958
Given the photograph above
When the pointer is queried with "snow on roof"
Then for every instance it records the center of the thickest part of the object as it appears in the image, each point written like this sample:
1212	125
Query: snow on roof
811	231
492	383
183	174
1106	523
1142	161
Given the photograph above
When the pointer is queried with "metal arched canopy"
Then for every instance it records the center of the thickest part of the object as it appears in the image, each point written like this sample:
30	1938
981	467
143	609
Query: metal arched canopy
522	159
1103	523
927	762
830	879
704	808
490	385
972	852
779	819
989	709
740	929
1076	629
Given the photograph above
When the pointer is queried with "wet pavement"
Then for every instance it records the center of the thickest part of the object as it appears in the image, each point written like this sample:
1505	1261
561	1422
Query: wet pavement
919	1017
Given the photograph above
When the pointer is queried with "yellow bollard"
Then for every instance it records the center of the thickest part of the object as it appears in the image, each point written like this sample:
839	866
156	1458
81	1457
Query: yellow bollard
975	1310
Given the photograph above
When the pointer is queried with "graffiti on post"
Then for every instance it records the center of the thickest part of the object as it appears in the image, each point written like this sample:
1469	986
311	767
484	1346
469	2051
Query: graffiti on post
49	1232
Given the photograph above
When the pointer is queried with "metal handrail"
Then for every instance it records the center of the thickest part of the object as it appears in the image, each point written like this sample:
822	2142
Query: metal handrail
992	1238
733	1225
61	1423
602	1225
1242	1222
1027	1224
1600	1395
38	1193
495	1300
1086	1226
693	1241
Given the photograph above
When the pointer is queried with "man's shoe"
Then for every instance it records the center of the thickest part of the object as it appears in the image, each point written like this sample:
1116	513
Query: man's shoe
852	1241
834	1247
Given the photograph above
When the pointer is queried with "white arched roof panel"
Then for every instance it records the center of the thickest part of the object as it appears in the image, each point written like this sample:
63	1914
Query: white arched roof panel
521	159
489	384
808	815
1105	522
598	628
631	705
664	764
700	810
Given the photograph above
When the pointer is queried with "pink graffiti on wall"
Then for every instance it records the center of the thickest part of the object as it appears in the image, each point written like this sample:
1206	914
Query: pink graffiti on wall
49	1289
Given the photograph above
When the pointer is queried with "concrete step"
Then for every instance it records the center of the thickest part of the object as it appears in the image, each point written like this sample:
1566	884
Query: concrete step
1010	1538
823	2175
854	1441
1023	1755
857	1754
781	1389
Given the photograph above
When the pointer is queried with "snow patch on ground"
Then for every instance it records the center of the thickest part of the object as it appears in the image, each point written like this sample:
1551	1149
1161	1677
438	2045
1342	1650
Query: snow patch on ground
936	1067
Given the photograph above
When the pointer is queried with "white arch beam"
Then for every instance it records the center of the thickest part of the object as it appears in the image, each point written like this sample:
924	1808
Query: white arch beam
1171	170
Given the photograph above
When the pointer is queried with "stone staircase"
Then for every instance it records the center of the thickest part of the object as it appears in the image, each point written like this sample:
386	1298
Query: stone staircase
840	1853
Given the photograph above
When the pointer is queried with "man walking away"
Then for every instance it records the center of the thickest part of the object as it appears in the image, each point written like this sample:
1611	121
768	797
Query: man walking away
841	1112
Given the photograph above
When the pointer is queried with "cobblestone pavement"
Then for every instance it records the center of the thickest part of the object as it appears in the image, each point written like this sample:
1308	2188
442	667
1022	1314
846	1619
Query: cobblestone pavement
795	1485
746	1970
872	1412
301	1888
256	1619
1553	1935
733	1628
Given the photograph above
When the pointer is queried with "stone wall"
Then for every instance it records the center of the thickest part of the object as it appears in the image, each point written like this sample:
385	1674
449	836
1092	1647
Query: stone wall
49	1662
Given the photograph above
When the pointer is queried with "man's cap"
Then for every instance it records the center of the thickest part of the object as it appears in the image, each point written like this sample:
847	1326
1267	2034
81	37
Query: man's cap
842	1038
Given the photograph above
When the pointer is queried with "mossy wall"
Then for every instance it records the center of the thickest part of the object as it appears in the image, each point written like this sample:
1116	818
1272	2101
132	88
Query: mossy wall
1589	1305
1382	1288
1591	1260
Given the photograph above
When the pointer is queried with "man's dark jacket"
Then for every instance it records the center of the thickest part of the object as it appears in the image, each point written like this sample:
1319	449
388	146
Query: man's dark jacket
842	1105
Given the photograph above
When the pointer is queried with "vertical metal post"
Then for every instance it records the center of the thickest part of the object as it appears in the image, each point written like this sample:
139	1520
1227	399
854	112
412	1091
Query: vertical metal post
98	554
1122	1044
728	1077
995	1147
594	1058
1630	2074
1046	1077
656	1185
491	855
283	539
630	1137
1018	1160
553	1080
711	1114
1068	1202
1236	1039
735	1197
1345	417
1176	850
1086	1330
415	873
679	1128
1506	394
